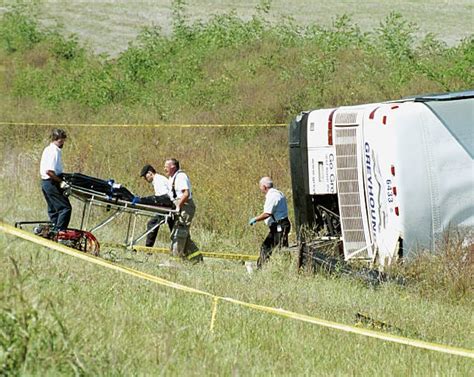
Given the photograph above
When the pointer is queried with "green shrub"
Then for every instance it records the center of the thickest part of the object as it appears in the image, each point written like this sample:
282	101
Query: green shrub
19	30
227	70
33	336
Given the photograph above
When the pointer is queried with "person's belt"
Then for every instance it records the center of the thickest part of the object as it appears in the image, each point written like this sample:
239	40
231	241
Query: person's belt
278	222
275	220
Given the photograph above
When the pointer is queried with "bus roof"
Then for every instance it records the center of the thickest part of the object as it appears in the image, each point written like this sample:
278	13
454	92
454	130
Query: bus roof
440	96
455	110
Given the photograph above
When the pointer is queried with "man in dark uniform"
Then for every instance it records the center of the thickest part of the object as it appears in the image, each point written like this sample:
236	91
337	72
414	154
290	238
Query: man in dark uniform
52	185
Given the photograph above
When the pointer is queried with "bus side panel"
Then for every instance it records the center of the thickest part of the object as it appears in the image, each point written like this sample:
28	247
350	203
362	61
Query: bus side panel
381	165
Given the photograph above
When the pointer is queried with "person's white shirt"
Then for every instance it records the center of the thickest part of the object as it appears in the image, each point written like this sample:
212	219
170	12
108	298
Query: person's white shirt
181	182
51	159
160	185
275	204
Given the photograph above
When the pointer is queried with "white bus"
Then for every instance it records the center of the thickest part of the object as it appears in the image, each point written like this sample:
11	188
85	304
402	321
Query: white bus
385	178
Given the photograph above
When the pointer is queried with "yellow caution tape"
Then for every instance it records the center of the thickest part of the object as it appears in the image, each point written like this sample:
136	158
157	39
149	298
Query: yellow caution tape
276	311
355	330
140	125
96	260
234	256
213	313
146	249
193	255
207	254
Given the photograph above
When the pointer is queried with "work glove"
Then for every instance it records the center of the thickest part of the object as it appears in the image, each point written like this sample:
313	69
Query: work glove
253	221
135	200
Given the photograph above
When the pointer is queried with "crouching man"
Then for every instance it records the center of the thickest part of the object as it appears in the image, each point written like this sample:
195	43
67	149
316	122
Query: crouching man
161	190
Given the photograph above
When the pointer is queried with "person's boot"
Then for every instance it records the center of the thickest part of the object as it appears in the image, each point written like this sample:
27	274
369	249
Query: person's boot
195	257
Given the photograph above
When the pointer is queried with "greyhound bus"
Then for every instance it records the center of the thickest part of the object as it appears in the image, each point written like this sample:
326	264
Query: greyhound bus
385	178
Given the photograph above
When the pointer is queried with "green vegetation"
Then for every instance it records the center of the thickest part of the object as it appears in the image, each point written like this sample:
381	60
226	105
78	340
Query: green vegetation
60	316
63	316
108	26
221	71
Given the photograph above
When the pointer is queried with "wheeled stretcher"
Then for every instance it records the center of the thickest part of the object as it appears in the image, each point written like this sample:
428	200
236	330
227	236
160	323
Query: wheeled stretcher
118	200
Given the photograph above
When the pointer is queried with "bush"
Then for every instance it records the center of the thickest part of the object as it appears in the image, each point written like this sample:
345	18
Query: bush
33	335
228	70
19	30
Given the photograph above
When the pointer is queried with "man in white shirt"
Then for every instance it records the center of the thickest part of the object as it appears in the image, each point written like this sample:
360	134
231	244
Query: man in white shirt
181	193
161	188
275	215
52	185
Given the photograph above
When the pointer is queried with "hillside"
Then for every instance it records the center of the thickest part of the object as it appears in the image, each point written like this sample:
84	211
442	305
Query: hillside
108	26
224	70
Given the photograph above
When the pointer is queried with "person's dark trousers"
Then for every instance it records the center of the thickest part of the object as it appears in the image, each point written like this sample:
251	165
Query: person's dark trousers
59	207
274	238
151	237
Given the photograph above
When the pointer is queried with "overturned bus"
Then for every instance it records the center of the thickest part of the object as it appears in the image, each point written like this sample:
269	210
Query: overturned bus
385	179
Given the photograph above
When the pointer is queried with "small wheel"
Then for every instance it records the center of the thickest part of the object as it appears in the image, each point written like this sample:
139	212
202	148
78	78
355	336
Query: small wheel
79	240
89	244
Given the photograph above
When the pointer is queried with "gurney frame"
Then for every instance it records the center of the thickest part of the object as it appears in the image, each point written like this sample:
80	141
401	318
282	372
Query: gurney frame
92	198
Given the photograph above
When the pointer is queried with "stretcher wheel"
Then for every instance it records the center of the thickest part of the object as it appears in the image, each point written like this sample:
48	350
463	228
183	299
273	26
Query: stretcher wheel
89	244
79	240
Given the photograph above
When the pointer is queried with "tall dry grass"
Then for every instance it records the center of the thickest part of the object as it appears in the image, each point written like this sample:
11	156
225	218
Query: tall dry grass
447	271
224	165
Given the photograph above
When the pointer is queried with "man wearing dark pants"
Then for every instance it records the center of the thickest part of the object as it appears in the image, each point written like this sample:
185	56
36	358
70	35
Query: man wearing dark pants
52	185
275	215
160	187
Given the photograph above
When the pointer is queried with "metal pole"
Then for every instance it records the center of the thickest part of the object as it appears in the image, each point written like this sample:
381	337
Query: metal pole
133	229
88	213
83	215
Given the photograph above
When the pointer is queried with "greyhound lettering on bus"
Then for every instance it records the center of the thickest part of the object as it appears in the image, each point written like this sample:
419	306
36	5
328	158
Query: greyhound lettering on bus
370	190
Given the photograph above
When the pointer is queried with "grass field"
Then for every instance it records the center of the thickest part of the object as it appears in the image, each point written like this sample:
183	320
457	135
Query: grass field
62	316
109	25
